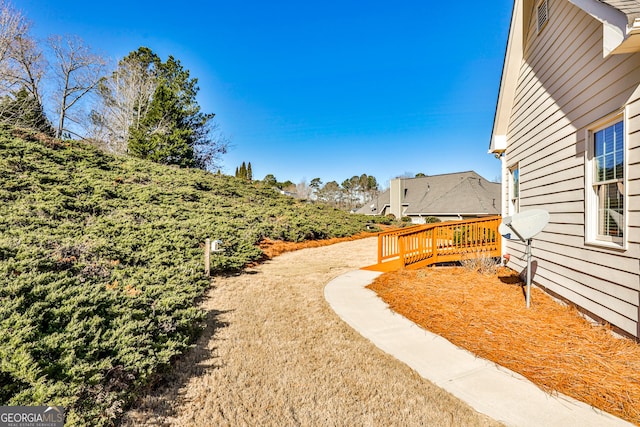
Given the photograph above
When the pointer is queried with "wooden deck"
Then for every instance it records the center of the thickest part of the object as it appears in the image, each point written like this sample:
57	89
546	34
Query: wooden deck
423	245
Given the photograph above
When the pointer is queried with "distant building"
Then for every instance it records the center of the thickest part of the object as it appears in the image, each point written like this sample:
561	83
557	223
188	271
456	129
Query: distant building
447	197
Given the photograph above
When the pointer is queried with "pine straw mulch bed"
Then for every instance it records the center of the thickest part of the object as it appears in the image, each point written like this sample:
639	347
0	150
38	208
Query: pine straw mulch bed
550	344
273	248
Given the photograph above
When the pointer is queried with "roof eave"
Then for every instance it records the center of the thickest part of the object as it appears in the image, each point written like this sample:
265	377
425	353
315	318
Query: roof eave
631	42
620	32
508	81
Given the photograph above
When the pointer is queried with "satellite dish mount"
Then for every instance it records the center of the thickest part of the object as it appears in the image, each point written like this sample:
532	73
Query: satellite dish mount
524	226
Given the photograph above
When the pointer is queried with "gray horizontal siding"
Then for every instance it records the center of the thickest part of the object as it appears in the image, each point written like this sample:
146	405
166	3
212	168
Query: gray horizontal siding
564	86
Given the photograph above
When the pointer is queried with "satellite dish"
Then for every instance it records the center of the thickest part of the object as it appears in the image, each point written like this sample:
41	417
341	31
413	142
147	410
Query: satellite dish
524	225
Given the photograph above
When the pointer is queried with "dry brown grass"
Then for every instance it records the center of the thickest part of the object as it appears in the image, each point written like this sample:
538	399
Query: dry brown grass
549	343
273	248
275	354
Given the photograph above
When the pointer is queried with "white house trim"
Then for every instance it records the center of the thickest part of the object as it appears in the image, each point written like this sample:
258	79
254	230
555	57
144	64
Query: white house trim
508	82
617	35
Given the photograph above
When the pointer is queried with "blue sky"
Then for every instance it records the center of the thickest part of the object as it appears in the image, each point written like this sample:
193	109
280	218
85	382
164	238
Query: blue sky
325	89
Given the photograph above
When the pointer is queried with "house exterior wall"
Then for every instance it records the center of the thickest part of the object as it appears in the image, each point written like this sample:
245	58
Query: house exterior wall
395	205
564	87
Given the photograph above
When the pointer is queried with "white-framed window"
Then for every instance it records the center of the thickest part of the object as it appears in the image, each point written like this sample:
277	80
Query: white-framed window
542	10
605	183
514	189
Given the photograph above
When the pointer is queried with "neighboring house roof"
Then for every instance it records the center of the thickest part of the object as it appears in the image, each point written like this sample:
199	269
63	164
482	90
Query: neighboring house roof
462	193
621	34
377	206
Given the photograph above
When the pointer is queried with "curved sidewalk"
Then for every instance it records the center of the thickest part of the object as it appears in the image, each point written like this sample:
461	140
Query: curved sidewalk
489	388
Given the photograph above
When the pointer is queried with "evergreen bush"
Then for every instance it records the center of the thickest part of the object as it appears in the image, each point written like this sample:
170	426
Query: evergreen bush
101	266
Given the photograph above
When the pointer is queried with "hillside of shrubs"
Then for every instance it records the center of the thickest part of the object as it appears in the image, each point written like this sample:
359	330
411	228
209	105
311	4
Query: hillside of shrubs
101	266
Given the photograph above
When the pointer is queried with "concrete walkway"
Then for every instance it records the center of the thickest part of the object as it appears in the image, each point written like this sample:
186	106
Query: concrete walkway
490	389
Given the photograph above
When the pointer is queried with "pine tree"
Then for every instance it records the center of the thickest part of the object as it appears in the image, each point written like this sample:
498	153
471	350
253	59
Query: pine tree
270	180
174	130
24	110
249	172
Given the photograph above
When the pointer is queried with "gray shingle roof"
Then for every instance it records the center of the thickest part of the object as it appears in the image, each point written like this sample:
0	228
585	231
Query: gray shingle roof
455	193
447	194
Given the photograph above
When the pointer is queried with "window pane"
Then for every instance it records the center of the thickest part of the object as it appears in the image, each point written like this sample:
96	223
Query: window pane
618	129
599	146
609	167
608	164
619	170
599	165
609	142
619	166
609	153
514	190
610	210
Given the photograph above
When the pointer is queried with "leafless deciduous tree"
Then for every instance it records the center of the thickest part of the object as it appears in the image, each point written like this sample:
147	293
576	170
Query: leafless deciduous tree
12	26
77	72
303	190
30	64
22	68
124	99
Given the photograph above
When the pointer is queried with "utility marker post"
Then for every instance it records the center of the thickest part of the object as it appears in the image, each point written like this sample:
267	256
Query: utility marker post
207	257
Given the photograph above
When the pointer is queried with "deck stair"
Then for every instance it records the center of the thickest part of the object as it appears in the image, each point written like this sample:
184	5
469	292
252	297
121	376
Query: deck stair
423	245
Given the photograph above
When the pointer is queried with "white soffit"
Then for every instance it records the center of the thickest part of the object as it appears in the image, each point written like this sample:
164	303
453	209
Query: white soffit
632	42
617	36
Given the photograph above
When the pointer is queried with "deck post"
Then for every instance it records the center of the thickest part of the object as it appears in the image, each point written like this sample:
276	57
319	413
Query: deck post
401	245
434	245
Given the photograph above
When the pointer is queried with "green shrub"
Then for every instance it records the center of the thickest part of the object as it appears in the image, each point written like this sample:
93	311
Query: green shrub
101	266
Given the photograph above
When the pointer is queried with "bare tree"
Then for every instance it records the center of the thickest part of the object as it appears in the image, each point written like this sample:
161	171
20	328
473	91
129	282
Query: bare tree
22	68
77	72
12	26
30	65
124	99
303	190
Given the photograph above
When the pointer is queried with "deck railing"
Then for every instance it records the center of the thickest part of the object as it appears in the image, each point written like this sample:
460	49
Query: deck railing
423	245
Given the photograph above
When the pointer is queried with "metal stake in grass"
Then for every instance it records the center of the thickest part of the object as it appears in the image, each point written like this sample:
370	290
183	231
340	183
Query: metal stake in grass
528	272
